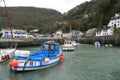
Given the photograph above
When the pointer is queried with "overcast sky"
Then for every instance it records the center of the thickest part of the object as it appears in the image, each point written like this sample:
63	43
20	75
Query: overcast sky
59	5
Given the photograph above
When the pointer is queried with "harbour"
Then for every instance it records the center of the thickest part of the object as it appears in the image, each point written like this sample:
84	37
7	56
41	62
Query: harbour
51	45
87	62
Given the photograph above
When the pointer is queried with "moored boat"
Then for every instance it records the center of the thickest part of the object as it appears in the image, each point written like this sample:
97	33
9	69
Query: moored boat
50	54
74	43
68	46
7	53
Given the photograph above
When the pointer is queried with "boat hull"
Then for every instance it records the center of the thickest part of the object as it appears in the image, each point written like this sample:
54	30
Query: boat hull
69	45
50	53
6	54
37	67
68	48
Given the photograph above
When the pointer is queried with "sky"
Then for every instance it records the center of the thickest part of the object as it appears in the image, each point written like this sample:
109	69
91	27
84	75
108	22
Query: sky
59	5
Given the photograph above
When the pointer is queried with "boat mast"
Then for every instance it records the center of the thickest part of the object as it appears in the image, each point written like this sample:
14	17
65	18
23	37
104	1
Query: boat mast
8	20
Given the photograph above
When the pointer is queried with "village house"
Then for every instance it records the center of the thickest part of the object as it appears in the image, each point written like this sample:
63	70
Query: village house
75	34
17	33
72	34
58	34
115	21
66	35
105	32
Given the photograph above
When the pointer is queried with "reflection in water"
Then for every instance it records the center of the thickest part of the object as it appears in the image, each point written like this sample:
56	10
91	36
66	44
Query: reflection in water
61	66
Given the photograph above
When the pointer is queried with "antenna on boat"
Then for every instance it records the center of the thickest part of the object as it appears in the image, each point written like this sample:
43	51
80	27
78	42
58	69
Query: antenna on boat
8	20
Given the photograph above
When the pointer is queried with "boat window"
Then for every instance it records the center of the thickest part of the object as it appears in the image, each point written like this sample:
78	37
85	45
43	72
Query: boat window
51	47
31	63
45	47
56	46
34	63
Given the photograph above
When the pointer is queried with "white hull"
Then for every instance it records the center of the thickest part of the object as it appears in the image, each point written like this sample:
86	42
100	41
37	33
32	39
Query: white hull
36	65
74	43
68	48
6	54
32	69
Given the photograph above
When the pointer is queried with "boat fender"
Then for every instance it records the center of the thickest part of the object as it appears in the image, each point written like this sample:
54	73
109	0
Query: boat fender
14	63
8	56
3	57
62	57
46	60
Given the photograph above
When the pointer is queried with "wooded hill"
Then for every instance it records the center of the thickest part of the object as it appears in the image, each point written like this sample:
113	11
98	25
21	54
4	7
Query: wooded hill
30	18
93	14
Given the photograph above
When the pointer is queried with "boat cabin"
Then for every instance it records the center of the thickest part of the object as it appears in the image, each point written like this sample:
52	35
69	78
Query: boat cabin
49	49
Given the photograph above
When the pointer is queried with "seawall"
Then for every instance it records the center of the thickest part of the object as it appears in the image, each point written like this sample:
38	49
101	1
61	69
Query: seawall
114	40
26	42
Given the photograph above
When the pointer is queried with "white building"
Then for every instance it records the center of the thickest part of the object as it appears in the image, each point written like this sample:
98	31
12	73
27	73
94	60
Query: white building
105	32
6	33
76	34
58	34
66	35
115	21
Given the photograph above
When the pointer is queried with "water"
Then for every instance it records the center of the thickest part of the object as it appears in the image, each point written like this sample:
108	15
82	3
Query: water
85	63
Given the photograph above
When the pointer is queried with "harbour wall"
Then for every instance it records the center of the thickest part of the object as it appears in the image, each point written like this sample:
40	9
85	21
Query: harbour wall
114	40
26	42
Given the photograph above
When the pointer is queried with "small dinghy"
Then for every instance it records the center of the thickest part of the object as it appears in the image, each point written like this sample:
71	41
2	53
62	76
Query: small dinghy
50	54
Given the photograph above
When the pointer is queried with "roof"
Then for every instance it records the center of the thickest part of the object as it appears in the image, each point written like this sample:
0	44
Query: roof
16	30
91	30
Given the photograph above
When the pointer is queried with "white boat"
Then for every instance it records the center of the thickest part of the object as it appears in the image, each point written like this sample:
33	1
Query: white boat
68	46
50	53
74	43
7	53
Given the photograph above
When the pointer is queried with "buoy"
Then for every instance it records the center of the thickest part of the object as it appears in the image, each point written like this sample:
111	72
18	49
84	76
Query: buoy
14	63
46	60
62	57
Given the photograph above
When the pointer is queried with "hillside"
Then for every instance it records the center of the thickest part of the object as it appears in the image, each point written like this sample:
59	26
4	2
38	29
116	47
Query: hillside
92	14
30	18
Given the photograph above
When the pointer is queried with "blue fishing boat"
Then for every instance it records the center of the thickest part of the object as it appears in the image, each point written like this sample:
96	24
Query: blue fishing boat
50	54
